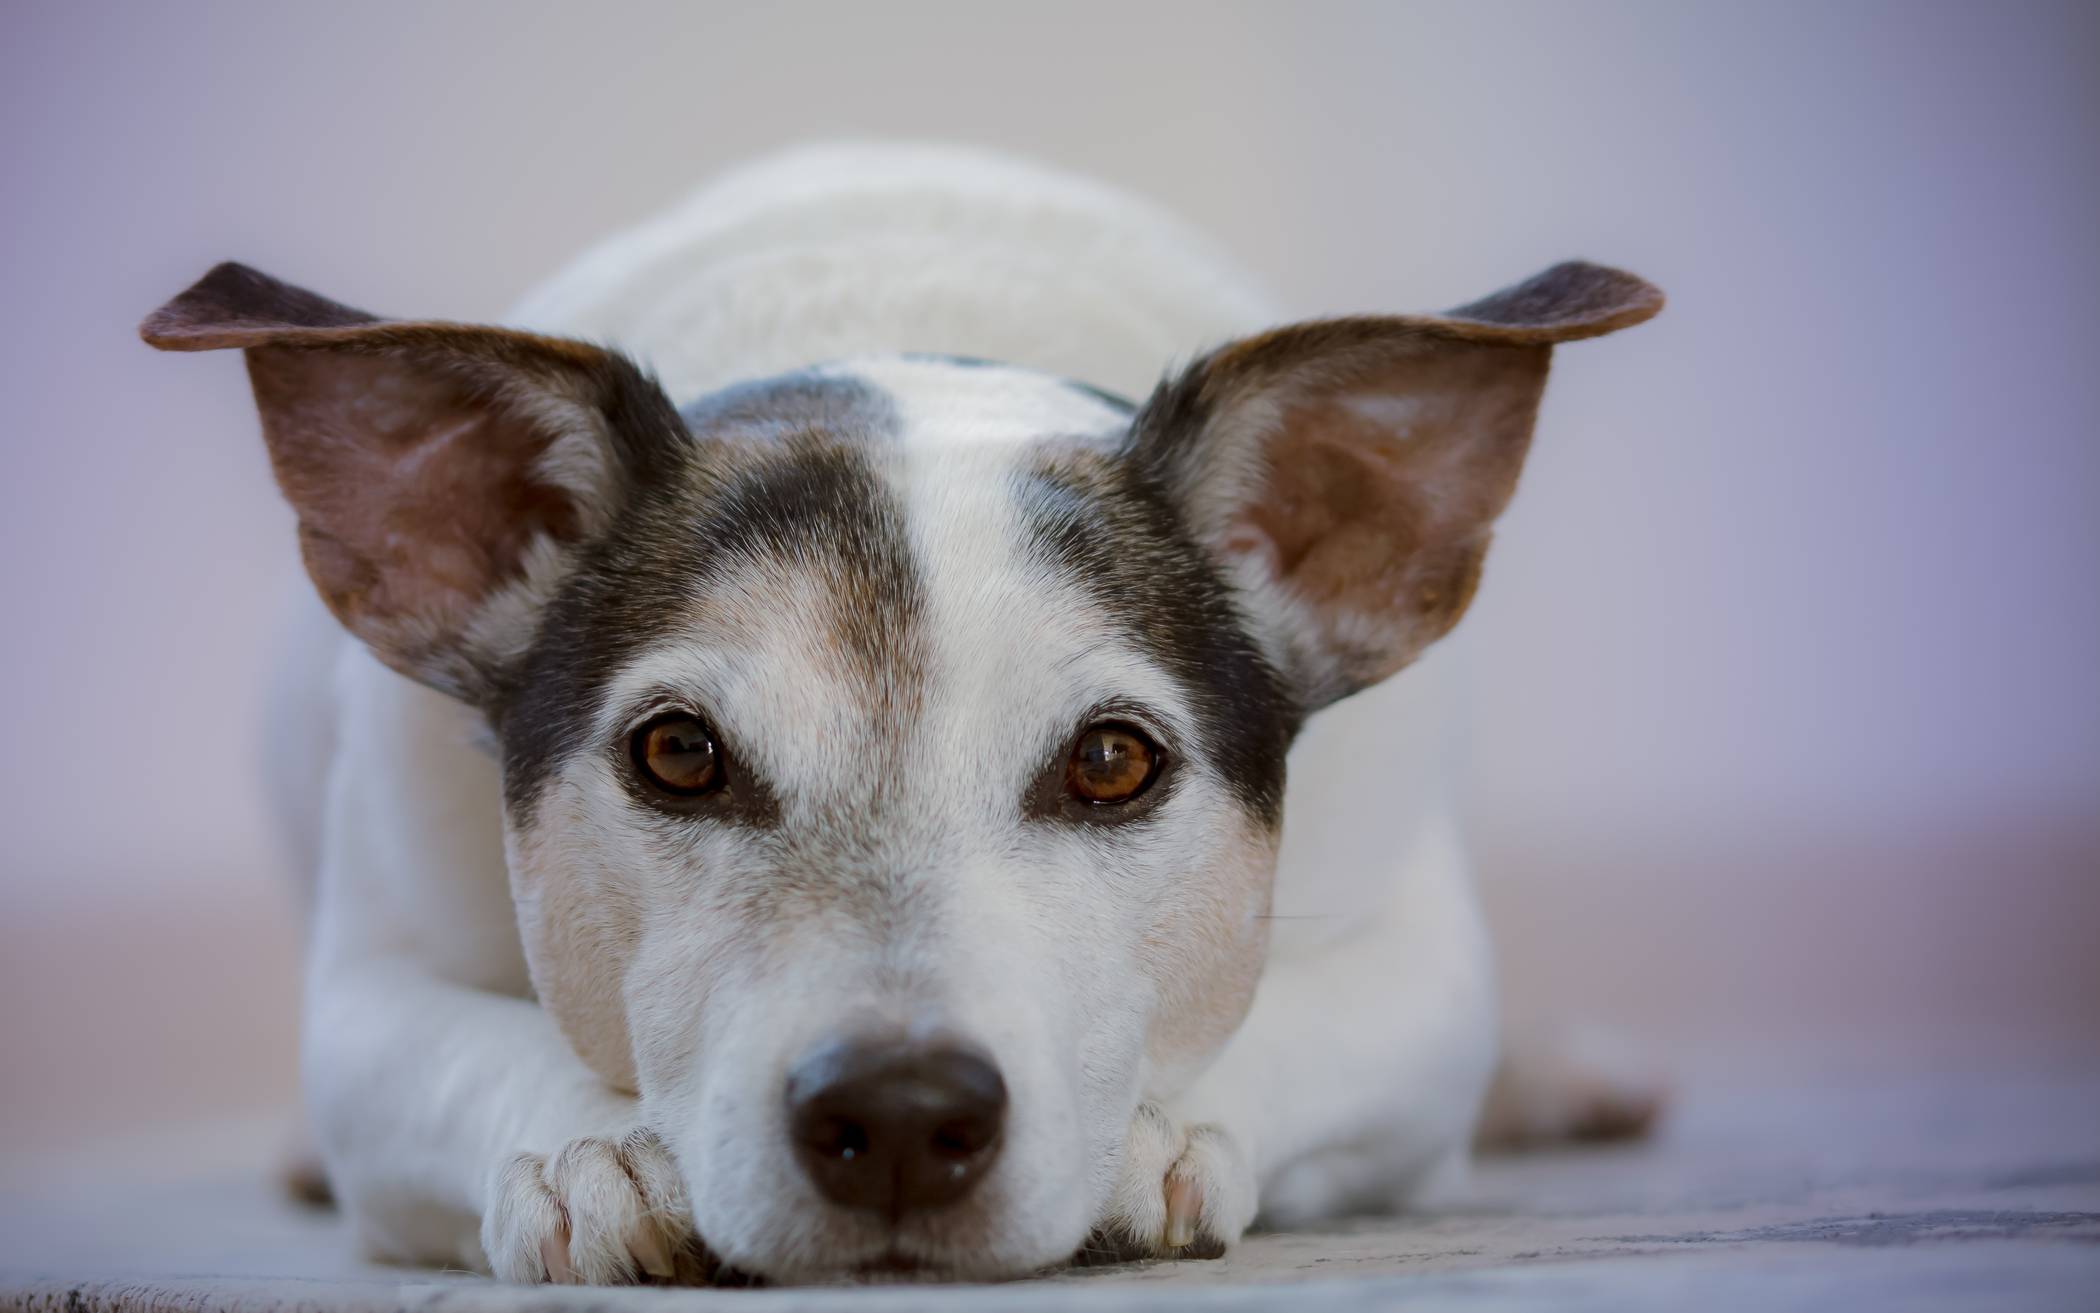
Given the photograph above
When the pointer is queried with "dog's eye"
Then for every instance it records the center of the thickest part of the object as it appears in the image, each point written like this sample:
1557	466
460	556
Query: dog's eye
1111	763
676	753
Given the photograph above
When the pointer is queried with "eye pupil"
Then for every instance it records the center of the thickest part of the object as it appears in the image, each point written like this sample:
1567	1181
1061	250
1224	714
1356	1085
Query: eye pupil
1111	764
677	754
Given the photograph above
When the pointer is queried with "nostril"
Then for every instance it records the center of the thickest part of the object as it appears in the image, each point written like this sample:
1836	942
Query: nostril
963	1137
837	1138
893	1126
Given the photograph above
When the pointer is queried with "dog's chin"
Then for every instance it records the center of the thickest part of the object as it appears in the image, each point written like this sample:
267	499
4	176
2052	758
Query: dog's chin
896	1267
904	1259
897	1263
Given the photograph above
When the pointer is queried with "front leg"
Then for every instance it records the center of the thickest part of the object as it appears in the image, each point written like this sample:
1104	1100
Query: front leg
459	1127
456	1122
1185	1191
599	1212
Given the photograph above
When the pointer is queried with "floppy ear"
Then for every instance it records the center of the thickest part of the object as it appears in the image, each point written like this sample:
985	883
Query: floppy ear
444	474
1347	473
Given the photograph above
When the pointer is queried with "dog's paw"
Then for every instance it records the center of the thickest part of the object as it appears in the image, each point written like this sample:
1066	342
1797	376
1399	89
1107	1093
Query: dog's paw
599	1212
1184	1192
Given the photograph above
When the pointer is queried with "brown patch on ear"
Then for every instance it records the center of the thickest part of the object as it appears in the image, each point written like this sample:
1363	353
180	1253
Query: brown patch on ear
426	460
425	510
1381	488
1354	467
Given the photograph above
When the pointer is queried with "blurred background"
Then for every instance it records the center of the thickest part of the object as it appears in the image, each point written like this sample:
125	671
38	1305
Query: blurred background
1785	751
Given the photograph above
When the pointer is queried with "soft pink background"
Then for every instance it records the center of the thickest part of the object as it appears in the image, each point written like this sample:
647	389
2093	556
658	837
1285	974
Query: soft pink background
1787	737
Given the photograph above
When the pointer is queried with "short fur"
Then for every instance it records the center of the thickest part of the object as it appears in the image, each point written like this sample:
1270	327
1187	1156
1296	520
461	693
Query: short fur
552	1009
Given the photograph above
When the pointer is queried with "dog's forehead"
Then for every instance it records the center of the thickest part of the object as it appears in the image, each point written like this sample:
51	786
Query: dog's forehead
950	401
941	690
888	562
890	549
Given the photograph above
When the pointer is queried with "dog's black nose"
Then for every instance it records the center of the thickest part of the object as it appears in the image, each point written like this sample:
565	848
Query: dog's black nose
892	1126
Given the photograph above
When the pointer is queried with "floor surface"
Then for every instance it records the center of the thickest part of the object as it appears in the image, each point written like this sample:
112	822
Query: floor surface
1973	1192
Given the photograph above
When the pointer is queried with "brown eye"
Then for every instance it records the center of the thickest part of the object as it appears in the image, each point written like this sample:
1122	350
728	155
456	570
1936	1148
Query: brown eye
677	754
1111	763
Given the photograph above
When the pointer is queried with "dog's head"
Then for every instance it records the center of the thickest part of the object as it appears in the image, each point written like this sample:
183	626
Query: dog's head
893	752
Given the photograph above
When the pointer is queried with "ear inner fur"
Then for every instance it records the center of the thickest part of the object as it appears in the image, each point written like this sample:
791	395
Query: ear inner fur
439	470
1348	472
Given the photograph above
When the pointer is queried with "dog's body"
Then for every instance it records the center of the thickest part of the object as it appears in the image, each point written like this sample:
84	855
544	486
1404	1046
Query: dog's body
553	1044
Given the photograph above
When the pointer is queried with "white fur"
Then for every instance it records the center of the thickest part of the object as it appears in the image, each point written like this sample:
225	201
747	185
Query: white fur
1356	1076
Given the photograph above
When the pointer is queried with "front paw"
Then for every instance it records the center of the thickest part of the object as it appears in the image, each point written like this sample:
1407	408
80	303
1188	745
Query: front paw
1184	1192
599	1212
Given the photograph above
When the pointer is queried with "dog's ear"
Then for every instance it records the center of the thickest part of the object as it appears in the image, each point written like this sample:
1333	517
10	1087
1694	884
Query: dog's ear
1347	473
443	474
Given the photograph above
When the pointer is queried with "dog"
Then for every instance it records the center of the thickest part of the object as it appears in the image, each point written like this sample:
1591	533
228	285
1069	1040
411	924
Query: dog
802	793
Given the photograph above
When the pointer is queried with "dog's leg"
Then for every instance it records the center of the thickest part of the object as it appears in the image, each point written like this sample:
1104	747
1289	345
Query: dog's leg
1569	1083
456	1122
1354	1081
460	1127
421	1089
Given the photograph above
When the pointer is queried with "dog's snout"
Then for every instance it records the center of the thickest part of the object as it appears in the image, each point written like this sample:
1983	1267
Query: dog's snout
893	1126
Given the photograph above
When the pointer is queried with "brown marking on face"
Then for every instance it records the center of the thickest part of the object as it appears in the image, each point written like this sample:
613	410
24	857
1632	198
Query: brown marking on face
1107	524
1205	950
587	925
581	926
795	469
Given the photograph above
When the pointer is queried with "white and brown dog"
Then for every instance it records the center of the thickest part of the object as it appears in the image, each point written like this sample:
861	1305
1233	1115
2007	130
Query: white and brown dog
815	808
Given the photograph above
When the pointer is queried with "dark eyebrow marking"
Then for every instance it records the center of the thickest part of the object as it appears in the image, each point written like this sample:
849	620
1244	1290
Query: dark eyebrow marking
1102	523
824	500
782	469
